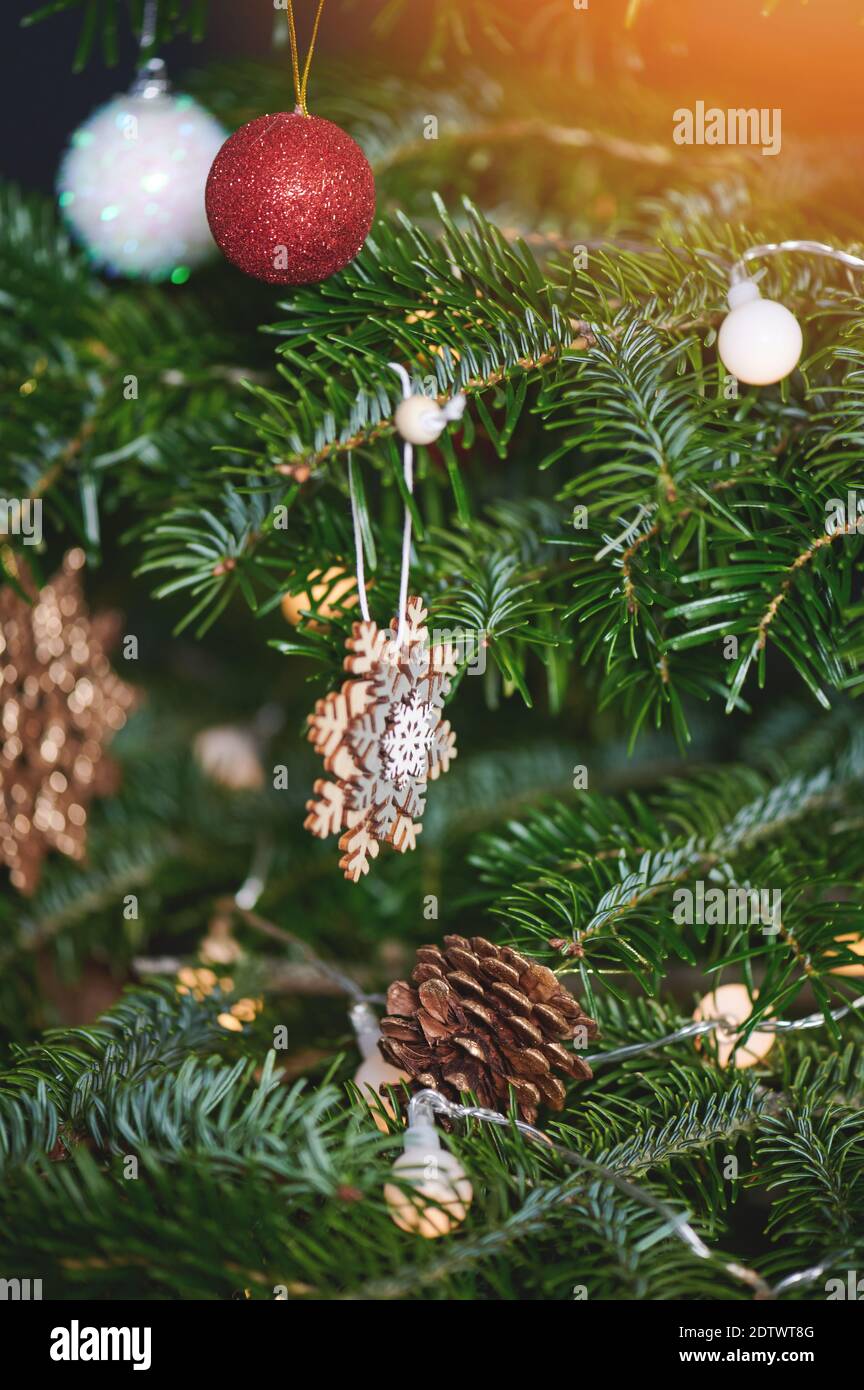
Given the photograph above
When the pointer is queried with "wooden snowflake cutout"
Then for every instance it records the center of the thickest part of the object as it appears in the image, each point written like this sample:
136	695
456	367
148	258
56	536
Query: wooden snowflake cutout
382	739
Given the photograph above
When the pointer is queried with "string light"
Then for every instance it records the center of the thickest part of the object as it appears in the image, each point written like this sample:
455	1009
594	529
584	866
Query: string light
373	1072
760	340
229	754
329	591
440	1191
712	1024
854	943
435	1215
429	1192
433	1193
729	1006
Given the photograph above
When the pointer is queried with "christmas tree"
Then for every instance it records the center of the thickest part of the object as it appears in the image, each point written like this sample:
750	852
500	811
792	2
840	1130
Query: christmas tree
548	411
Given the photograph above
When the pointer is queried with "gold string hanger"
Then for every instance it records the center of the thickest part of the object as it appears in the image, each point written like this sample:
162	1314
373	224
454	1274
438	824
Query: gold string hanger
301	80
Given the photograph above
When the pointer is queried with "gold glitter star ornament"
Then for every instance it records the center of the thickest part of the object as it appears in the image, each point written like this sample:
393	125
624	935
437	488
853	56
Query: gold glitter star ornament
60	703
382	739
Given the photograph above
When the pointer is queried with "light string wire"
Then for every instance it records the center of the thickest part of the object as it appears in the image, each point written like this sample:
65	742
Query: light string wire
424	1104
775	248
729	1026
737	270
301	81
426	1101
245	901
338	977
255	882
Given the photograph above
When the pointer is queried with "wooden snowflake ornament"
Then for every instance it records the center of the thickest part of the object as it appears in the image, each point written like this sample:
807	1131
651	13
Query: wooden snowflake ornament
382	738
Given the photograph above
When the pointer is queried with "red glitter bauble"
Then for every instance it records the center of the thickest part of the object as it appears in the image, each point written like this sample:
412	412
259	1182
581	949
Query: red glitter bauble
290	198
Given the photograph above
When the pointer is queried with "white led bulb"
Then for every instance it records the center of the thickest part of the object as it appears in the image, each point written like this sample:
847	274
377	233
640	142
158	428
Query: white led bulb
373	1072
760	340
434	1193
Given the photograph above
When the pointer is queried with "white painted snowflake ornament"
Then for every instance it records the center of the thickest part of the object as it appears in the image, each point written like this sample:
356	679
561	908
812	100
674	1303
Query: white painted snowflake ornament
382	739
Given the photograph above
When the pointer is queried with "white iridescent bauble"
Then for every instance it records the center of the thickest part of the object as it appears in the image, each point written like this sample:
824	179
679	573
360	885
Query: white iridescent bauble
131	184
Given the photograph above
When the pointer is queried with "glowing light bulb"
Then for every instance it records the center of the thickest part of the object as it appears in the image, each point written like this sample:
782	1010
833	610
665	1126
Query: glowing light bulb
369	1077
341	593
855	944
732	1002
760	340
433	1194
373	1072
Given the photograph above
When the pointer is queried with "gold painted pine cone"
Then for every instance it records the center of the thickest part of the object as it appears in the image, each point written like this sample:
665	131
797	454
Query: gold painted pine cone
482	1018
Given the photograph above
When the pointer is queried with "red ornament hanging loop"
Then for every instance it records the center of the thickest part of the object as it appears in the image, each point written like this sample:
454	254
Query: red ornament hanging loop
290	197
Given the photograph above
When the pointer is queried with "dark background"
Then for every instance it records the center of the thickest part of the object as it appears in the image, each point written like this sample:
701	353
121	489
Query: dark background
805	58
